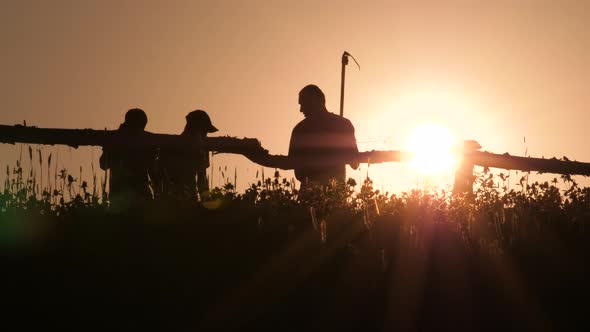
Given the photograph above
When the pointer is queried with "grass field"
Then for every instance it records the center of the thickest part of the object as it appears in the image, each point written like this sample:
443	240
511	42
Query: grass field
343	257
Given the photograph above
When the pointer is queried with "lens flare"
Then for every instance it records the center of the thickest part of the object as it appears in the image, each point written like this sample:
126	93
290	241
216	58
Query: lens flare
431	149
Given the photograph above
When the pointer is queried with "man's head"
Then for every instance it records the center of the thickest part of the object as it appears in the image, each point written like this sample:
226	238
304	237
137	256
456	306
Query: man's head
312	101
135	119
199	122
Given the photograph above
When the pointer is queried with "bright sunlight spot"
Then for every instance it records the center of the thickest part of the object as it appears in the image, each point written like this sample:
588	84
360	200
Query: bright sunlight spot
431	149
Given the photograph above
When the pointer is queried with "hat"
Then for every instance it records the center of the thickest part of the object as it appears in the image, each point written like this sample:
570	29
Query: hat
201	119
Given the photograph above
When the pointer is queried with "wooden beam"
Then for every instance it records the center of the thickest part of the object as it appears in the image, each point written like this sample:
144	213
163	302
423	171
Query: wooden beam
253	150
506	161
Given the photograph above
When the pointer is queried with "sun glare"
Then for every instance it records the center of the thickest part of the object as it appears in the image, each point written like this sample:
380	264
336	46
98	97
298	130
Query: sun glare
431	149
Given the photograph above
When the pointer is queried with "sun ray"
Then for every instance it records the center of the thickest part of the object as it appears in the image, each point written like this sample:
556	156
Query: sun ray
432	149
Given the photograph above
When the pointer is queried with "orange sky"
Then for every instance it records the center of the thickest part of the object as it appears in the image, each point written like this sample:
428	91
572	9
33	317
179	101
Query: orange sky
494	72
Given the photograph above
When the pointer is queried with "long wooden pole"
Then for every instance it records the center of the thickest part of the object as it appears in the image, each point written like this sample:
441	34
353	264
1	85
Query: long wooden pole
506	161
253	150
91	137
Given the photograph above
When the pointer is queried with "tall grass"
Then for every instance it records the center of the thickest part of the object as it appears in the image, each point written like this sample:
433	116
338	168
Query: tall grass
341	255
492	204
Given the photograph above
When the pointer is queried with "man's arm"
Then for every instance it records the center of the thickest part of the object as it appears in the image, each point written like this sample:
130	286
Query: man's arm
202	165
202	183
104	160
294	151
351	144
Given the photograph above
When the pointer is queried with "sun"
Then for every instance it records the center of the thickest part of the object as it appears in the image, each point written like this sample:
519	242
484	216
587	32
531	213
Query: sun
431	149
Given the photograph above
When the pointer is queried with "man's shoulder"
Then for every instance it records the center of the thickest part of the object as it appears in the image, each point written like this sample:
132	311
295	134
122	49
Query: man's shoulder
329	121
339	121
302	125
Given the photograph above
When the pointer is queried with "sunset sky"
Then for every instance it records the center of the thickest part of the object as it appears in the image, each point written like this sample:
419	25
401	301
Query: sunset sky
492	71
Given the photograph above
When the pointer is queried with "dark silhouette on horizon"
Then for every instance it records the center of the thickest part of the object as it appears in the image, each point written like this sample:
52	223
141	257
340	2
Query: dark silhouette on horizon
320	134
130	168
182	170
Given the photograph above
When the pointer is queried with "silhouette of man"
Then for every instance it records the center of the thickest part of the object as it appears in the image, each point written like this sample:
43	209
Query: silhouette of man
129	166
182	170
320	135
